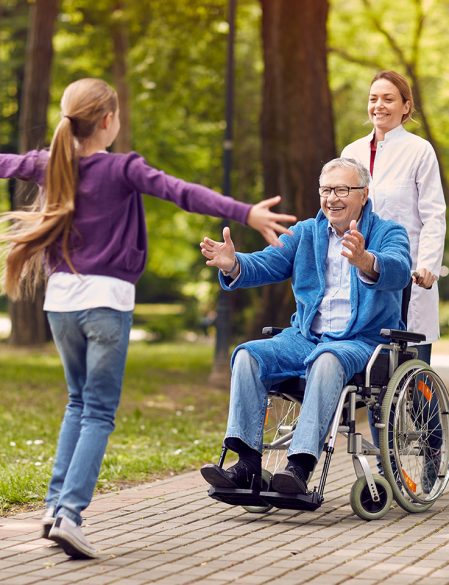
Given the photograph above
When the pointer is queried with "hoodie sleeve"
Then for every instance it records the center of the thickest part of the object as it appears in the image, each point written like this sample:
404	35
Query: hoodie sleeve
392	251
188	196
27	167
270	265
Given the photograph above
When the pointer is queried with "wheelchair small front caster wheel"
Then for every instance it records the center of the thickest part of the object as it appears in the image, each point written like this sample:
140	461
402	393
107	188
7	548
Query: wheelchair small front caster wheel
362	503
266	480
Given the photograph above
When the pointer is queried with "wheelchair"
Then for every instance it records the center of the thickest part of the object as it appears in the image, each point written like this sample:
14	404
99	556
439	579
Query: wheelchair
410	406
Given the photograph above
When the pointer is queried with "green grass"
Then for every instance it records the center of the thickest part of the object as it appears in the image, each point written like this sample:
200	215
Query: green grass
170	419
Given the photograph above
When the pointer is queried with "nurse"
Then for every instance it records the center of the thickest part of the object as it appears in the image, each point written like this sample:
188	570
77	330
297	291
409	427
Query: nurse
406	187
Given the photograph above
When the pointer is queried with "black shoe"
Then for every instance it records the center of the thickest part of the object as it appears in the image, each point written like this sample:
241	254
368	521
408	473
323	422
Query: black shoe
241	475
290	481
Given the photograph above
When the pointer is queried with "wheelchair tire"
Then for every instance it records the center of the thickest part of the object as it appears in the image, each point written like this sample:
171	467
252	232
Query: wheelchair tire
415	415
362	503
266	480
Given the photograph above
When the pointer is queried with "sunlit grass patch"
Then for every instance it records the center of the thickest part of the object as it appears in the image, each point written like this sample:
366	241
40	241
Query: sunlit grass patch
169	420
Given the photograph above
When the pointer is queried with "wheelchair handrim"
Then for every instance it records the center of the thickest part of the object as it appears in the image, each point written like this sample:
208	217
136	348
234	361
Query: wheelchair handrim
408	446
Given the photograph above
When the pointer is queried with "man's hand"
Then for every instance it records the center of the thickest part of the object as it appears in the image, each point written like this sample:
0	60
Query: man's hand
355	251
423	277
265	221
219	254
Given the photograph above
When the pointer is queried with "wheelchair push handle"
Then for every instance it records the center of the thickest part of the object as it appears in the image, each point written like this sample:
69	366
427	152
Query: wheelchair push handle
271	331
399	336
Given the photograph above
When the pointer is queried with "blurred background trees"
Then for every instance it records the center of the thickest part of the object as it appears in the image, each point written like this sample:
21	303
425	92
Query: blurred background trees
293	107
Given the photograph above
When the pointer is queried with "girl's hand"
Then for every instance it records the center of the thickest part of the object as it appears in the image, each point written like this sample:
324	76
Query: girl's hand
423	277
267	223
219	254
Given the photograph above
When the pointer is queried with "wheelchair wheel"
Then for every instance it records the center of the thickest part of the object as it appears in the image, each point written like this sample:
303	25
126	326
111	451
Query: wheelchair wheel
266	479
280	422
414	440
362	503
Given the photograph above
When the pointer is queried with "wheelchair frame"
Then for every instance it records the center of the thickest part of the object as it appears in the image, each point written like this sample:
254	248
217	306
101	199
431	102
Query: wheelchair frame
371	494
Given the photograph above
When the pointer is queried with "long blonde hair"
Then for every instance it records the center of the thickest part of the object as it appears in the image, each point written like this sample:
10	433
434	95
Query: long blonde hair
48	222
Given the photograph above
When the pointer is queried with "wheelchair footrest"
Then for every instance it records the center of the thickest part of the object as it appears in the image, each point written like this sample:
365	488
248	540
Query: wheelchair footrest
309	501
241	497
236	496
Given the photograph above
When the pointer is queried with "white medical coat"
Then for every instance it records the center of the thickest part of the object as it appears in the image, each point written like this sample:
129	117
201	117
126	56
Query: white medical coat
406	187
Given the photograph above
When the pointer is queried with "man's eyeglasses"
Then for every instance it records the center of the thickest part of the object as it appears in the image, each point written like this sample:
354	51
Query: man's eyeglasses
340	191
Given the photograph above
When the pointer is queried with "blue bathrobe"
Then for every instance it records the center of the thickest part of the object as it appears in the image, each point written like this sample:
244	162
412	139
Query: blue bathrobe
303	259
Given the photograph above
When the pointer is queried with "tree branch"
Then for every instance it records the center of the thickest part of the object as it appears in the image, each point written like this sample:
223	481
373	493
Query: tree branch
419	25
383	31
353	59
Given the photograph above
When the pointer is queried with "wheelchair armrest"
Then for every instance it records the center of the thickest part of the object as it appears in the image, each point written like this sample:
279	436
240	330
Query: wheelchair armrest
271	331
403	336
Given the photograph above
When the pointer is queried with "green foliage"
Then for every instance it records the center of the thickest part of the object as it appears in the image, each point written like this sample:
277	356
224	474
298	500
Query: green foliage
170	419
165	322
365	37
444	318
176	67
176	73
13	29
365	40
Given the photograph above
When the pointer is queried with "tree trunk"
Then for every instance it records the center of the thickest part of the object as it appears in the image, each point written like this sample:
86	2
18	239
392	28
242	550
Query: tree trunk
120	43
28	322
297	125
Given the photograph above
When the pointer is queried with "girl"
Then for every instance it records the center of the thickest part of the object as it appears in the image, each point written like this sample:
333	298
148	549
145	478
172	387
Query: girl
88	231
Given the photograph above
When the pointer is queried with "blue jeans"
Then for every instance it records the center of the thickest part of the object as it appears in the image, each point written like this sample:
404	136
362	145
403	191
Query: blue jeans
248	403
93	346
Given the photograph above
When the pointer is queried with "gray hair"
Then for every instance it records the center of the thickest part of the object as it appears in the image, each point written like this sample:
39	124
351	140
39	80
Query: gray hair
348	163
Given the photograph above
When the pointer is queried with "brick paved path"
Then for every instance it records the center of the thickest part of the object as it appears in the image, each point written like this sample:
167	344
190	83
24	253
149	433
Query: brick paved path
171	532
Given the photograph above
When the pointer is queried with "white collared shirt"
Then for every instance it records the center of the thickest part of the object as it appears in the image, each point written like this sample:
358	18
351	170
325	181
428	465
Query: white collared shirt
406	187
334	311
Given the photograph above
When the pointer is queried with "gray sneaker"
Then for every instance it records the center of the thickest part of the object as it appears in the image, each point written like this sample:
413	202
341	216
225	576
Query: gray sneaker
71	538
47	521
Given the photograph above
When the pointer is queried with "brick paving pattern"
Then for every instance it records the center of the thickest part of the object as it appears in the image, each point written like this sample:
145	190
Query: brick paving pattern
171	533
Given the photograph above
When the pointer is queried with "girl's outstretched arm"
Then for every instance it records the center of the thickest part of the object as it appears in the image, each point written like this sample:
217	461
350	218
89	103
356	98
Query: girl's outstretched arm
199	199
28	167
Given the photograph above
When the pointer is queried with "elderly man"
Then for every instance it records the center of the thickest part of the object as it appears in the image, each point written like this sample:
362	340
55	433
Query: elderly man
348	268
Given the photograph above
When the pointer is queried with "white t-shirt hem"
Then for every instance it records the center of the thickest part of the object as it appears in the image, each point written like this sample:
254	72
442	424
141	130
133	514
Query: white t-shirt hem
79	292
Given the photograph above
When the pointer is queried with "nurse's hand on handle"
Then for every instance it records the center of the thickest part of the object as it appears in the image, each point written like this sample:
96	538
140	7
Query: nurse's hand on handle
423	278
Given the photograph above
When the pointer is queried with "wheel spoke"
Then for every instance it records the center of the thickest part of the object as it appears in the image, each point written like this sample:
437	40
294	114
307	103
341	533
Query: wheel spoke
280	423
414	442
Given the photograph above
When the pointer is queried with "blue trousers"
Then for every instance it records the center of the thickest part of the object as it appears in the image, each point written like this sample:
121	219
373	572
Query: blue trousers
93	346
248	403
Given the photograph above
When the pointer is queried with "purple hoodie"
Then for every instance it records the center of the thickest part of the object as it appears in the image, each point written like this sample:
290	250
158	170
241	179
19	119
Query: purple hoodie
109	233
